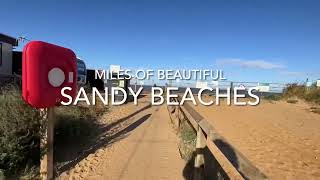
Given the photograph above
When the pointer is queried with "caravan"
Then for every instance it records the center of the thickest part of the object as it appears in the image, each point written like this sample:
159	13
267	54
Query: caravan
82	72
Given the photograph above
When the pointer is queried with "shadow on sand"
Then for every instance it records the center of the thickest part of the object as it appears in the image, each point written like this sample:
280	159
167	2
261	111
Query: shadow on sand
71	150
212	169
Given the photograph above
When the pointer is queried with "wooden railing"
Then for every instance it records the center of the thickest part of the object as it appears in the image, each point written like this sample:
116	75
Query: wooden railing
234	164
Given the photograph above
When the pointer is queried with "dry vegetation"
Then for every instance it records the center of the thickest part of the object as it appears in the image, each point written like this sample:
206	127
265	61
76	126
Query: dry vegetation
77	121
295	92
20	132
309	94
187	141
19	136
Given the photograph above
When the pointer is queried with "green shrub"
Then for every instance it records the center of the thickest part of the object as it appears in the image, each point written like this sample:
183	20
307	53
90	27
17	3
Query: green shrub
19	133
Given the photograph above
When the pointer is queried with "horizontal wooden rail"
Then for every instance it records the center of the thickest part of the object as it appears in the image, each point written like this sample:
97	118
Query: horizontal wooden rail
232	161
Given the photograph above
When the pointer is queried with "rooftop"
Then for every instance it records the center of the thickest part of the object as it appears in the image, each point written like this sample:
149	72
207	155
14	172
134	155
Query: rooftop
8	39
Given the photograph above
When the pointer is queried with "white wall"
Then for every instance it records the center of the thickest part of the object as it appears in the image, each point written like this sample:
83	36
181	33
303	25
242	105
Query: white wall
6	66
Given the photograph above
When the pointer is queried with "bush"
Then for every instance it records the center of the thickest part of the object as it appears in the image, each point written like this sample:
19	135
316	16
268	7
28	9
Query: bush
310	94
294	90
19	133
313	95
77	121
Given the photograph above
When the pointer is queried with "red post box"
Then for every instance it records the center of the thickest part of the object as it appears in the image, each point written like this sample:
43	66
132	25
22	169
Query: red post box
46	69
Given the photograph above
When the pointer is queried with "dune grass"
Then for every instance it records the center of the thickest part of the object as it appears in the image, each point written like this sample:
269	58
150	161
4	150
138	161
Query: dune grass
309	94
187	141
19	135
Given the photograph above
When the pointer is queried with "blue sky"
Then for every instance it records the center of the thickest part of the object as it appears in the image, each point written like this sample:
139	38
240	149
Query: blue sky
266	41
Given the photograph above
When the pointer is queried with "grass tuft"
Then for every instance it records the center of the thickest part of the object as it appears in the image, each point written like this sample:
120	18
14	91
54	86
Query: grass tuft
187	141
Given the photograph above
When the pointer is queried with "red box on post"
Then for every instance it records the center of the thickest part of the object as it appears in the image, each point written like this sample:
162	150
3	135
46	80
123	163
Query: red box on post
46	69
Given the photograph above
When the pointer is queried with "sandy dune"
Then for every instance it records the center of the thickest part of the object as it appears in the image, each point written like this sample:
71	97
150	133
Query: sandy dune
281	139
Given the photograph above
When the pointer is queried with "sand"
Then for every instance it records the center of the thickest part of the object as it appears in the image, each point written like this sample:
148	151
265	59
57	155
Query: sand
139	145
281	139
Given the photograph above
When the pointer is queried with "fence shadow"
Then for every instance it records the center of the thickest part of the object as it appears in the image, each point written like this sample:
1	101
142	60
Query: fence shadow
212	169
70	151
228	151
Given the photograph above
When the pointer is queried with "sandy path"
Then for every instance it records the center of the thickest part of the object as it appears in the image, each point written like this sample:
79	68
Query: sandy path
281	139
150	152
147	149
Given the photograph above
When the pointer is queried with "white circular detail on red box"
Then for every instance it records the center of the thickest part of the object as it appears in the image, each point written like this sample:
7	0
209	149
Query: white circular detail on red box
56	77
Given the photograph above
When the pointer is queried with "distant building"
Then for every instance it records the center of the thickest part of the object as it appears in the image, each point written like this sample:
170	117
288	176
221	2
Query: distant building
7	45
11	63
92	81
115	80
120	81
82	72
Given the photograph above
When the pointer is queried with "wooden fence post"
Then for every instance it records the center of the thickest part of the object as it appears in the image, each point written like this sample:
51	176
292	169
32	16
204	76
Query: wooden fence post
47	161
51	119
199	158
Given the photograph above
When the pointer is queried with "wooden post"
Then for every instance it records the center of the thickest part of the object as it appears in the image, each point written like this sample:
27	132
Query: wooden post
51	119
179	117
47	162
199	158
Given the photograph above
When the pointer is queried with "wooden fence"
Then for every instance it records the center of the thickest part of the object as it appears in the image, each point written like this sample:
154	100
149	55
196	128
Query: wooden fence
234	164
